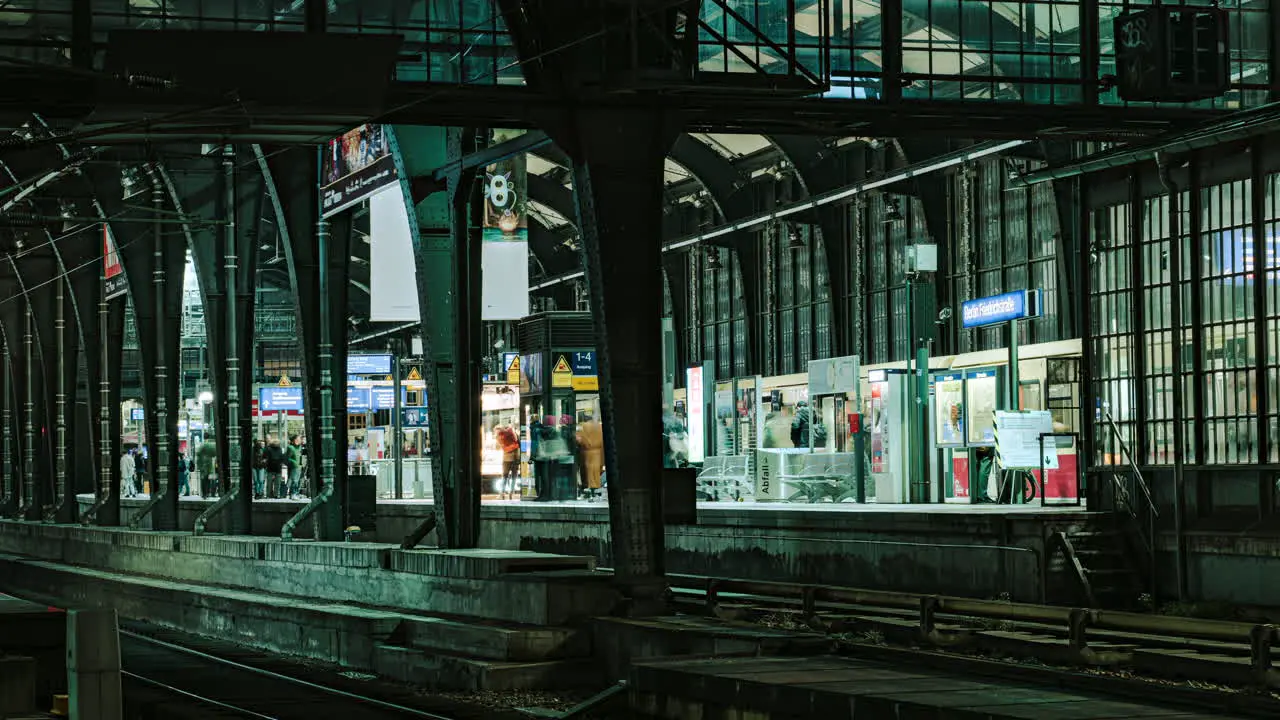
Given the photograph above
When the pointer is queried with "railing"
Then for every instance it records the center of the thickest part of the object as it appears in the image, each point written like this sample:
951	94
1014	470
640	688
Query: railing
1124	498
1232	651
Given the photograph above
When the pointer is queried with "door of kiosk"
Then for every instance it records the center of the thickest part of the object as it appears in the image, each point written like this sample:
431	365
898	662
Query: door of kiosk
886	417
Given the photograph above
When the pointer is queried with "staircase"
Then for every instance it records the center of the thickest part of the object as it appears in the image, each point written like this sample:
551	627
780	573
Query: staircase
1113	560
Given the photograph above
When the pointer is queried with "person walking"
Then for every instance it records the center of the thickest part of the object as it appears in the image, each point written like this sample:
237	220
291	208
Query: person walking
127	474
259	470
293	463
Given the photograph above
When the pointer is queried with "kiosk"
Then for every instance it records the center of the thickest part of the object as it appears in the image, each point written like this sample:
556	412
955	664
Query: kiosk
560	406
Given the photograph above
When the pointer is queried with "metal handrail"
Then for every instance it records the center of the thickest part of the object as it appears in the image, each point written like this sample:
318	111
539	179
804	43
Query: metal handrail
1133	467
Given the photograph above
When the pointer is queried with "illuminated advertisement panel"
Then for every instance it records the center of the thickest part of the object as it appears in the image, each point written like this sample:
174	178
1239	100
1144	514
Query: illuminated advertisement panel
353	167
696	407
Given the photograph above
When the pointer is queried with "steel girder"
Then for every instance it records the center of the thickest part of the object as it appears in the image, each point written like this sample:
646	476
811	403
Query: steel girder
149	259
446	243
223	194
321	287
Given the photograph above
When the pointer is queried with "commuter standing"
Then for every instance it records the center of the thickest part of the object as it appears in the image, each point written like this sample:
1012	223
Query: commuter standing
206	454
293	461
184	476
590	440
274	460
140	468
127	474
259	470
510	445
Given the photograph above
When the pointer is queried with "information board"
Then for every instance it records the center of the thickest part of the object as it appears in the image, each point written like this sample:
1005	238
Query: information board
1018	440
368	364
585	375
279	399
137	414
357	398
382	397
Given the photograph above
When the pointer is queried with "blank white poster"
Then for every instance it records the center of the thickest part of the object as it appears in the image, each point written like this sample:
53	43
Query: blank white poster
393	279
505	291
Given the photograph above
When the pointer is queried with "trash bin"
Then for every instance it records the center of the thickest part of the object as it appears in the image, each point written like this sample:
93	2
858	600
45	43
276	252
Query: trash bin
362	503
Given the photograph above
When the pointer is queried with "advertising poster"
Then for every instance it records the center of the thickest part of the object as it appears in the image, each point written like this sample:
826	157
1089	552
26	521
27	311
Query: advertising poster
353	167
982	390
114	282
697	424
949	405
504	293
530	374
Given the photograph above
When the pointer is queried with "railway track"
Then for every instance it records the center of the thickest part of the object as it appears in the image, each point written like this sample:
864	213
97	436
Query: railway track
170	676
1203	663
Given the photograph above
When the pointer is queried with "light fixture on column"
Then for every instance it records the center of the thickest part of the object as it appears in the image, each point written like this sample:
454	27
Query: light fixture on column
892	211
795	241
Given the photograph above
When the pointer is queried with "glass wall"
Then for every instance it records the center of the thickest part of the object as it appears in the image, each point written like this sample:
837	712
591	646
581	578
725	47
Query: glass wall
1205	248
717	317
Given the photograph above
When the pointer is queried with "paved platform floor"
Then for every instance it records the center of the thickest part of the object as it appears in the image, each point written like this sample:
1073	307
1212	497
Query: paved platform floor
745	507
833	688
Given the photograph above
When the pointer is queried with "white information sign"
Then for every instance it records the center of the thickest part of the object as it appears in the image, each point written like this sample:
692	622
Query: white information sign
833	376
1018	440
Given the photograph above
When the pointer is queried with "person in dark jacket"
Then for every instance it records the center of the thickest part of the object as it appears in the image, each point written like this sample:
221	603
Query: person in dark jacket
293	463
274	462
259	470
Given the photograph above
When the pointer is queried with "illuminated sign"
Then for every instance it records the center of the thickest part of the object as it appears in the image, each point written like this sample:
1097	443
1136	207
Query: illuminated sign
355	166
695	393
358	398
279	399
368	364
1000	308
137	414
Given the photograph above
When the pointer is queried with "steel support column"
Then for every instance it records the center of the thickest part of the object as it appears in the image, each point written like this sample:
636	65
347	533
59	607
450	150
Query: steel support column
7	477
317	252
618	179
446	248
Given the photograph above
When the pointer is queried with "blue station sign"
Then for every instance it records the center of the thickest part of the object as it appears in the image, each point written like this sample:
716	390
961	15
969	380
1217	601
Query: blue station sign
368	364
358	398
1000	308
279	399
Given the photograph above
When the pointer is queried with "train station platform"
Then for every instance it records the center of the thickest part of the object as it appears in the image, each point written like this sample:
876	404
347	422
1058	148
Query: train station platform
835	688
970	550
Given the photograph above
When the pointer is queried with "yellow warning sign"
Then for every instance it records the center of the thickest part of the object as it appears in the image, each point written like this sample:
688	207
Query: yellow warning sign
285	381
513	371
562	374
414	373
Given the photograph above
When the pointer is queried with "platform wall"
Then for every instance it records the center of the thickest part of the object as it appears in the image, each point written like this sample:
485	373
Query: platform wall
982	555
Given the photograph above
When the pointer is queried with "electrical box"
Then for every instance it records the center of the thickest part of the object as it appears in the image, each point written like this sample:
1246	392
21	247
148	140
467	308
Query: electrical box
1171	53
922	258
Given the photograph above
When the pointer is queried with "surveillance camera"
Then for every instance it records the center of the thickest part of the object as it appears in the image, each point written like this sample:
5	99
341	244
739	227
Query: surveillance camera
499	344
944	313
